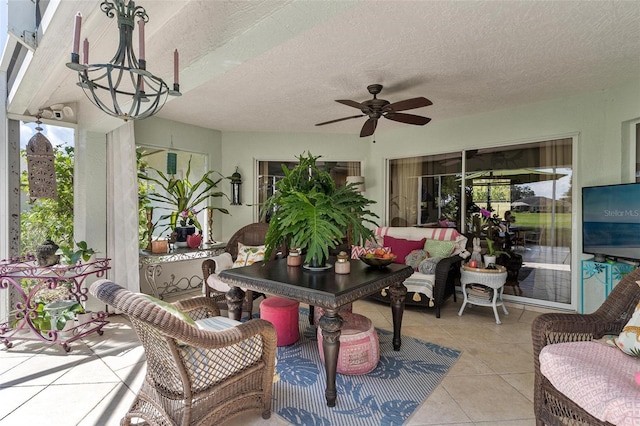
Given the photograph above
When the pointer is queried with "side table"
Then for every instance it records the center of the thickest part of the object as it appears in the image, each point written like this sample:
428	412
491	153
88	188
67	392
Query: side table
494	279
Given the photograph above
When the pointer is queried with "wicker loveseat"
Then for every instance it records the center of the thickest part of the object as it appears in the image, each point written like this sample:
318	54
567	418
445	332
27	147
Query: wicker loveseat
195	376
433	289
551	406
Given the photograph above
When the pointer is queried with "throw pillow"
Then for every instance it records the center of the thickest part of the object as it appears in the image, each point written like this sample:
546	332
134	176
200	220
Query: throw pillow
248	255
401	247
629	339
357	251
428	266
169	308
414	258
438	248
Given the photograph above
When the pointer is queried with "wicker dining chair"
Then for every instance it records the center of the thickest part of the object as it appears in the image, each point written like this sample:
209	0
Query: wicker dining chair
253	234
195	377
551	407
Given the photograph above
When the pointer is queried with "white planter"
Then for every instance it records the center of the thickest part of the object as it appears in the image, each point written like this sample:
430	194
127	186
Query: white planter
489	260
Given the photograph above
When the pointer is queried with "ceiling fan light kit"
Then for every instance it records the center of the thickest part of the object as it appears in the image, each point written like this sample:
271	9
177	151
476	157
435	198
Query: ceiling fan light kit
376	108
122	88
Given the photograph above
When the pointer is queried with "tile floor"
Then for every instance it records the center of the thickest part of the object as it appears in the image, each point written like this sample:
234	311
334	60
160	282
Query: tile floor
94	384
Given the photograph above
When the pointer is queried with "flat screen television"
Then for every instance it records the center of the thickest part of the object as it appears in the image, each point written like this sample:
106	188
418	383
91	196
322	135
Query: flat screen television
611	220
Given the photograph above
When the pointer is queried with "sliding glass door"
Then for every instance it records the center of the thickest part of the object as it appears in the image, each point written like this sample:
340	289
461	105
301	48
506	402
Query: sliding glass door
531	182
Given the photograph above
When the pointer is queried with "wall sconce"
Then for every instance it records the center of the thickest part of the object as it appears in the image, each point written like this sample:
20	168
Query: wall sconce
236	181
359	181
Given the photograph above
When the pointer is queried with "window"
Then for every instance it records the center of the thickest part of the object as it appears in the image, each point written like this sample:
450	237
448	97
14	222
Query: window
531	181
270	172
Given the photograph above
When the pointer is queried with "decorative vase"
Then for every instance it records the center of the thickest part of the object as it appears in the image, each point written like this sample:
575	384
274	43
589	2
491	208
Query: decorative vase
342	265
194	240
181	234
46	253
294	258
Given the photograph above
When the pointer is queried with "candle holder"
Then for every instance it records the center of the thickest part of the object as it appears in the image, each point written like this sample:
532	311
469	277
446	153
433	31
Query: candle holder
149	213
210	225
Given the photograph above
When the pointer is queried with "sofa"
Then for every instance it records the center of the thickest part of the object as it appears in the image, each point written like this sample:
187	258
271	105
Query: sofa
580	379
428	289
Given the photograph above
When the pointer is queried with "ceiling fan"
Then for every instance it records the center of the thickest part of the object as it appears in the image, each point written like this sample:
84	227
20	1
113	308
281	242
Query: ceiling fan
376	108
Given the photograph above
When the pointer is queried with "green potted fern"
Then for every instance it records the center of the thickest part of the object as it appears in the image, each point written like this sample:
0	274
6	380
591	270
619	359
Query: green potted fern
311	213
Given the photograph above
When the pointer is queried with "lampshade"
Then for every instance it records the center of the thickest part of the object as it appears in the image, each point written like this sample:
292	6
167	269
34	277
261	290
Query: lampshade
359	181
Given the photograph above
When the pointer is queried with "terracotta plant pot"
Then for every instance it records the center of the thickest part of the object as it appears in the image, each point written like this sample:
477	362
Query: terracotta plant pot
159	246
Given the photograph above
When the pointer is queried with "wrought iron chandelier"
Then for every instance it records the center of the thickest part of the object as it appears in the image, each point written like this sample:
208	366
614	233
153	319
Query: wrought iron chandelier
122	88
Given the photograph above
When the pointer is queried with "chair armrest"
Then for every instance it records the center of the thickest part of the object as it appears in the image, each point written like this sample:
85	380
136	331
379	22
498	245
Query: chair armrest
200	307
551	328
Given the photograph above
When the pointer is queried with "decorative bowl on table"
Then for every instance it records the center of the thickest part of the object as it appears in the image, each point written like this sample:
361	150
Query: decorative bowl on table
377	261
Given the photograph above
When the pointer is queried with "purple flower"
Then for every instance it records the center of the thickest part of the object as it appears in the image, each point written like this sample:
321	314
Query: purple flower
485	212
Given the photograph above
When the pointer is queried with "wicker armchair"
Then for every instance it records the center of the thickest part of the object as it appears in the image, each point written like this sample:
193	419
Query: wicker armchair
551	406
250	235
195	377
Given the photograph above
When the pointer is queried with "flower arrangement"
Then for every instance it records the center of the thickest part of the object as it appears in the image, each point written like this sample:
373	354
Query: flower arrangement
189	218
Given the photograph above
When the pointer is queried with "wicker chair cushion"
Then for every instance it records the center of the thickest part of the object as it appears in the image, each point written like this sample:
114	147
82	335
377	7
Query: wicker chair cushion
223	261
248	255
173	310
597	377
628	340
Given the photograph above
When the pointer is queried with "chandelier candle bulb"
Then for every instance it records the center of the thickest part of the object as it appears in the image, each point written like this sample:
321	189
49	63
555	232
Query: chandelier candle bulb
175	68
85	52
141	38
76	33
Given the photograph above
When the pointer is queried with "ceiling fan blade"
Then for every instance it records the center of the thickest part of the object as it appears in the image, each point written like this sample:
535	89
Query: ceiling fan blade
369	127
340	119
351	103
408	104
407	118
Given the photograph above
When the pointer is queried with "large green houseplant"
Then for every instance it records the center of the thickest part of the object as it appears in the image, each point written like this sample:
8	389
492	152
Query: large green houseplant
311	213
182	195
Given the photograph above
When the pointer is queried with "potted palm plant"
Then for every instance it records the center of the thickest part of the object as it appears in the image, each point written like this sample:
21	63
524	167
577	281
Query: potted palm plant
182	196
309	212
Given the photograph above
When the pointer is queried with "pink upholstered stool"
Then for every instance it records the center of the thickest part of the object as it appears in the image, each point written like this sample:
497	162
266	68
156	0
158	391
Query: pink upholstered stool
283	314
359	346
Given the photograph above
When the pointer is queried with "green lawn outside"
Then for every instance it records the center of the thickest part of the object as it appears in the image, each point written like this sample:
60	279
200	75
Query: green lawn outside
542	222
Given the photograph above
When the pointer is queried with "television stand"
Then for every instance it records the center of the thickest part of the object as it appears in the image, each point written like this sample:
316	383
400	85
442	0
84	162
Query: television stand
597	281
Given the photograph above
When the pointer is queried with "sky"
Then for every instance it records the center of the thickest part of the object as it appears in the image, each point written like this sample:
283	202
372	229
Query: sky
545	188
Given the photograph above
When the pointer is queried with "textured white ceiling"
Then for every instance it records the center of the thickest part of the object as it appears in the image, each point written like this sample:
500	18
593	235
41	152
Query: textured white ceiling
278	66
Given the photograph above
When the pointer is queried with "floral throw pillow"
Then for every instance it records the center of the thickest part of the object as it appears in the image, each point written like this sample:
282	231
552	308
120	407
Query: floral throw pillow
248	255
414	258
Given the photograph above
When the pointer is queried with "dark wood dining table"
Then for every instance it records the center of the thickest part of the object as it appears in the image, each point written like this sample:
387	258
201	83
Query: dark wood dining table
325	289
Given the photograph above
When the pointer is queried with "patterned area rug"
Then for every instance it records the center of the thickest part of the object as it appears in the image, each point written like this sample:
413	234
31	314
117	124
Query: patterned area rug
386	396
